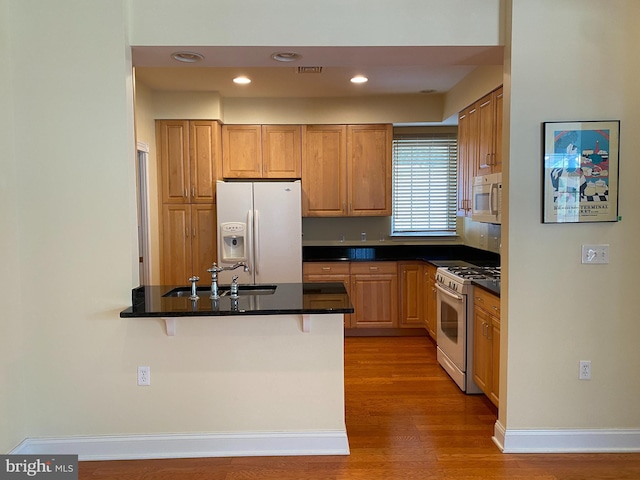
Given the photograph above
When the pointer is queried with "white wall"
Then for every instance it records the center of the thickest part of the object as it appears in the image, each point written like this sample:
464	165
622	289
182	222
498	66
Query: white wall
12	356
571	60
73	158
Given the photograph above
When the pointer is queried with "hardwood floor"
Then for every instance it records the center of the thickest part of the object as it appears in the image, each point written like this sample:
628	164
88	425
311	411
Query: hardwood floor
406	420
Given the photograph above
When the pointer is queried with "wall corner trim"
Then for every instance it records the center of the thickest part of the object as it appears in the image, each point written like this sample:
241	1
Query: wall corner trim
137	447
567	440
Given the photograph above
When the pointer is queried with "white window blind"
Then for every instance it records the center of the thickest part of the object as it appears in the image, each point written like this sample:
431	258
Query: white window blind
424	184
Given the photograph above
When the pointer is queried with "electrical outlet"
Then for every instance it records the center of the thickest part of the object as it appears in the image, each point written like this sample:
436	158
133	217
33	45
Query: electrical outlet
144	376
585	370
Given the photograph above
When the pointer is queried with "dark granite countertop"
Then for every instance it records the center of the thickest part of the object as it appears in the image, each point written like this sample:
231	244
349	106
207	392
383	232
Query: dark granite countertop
492	286
429	253
287	298
438	255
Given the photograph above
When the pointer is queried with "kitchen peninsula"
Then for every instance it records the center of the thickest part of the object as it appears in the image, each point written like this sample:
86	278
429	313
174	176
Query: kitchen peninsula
267	368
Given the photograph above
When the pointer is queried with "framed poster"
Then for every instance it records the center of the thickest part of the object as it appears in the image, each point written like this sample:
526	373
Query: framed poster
580	171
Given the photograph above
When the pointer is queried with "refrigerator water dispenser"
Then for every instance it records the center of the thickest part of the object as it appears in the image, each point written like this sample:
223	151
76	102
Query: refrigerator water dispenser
233	242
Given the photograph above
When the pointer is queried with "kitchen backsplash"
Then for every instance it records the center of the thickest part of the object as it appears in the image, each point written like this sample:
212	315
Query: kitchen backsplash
349	230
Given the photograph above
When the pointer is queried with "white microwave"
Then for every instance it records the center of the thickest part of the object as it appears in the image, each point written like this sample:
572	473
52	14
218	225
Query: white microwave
487	198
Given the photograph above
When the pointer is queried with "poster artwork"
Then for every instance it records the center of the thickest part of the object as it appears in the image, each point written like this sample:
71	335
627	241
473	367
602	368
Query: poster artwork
578	173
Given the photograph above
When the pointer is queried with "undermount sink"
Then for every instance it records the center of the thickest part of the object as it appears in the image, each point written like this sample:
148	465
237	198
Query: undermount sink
224	290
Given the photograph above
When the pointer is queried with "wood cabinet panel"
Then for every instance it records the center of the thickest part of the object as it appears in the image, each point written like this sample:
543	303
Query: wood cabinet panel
189	242
324	166
241	151
412	291
204	143
486	343
489	158
374	295
203	239
430	305
176	242
173	149
282	151
369	169
329	272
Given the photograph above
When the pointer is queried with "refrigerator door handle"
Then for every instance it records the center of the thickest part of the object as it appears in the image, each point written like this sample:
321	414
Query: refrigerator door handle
249	240
256	239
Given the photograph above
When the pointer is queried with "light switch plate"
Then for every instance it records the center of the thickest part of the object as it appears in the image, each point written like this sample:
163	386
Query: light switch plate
595	253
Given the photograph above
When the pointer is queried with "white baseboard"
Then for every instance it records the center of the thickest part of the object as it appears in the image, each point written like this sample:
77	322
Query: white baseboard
134	447
566	441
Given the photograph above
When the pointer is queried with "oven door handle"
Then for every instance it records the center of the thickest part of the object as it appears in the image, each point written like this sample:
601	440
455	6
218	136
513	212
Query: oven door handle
447	292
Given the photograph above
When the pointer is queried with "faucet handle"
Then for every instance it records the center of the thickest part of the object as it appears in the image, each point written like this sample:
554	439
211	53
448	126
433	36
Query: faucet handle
234	287
194	290
214	268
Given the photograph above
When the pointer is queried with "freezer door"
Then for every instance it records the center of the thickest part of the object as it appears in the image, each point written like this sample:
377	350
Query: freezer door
235	204
277	232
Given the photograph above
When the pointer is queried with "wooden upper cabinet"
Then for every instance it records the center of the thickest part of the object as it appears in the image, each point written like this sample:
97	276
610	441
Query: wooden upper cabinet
346	170
188	151
489	140
497	165
204	143
281	151
241	151
324	171
172	137
261	151
369	169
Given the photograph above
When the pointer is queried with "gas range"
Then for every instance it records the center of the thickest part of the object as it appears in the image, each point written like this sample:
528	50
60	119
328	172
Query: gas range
459	277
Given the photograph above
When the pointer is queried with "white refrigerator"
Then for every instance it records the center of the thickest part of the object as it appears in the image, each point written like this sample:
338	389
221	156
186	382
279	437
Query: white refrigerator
260	223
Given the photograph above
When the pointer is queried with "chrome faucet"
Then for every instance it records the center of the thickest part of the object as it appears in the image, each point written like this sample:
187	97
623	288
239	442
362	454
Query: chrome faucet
215	269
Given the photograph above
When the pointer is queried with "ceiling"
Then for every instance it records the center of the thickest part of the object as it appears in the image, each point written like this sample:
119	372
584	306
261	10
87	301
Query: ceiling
391	70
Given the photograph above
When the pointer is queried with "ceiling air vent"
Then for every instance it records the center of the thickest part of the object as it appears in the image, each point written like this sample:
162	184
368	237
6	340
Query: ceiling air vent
309	69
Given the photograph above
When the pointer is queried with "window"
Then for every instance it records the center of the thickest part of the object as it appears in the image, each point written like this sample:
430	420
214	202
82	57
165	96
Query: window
424	184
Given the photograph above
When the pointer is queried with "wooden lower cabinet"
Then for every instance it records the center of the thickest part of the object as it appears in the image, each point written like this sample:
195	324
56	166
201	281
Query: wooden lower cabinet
374	294
429	300
412	291
486	343
188	242
329	272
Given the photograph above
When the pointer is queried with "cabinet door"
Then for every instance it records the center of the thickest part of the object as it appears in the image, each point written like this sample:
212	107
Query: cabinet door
411	295
497	164
241	151
204	139
176	244
324	167
467	156
281	151
486	138
495	363
203	239
329	272
430	304
369	169
374	295
482	362
172	137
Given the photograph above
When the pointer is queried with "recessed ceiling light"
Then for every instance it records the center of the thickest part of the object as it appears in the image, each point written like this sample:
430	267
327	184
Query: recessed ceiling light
359	79
187	57
241	80
286	56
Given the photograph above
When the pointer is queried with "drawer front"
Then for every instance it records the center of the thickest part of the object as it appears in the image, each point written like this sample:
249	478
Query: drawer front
325	268
486	301
373	268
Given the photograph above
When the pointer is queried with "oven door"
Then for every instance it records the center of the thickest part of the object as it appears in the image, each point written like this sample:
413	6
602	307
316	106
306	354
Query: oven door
452	323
